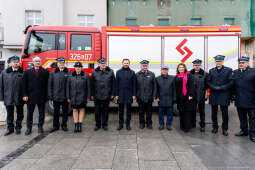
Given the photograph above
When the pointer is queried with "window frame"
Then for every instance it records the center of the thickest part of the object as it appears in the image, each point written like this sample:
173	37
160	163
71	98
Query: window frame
34	18
229	19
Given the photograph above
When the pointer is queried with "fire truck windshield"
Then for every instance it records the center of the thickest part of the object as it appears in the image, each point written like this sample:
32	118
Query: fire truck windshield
40	42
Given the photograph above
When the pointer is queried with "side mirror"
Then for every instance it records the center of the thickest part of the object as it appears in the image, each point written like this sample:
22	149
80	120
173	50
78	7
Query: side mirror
25	55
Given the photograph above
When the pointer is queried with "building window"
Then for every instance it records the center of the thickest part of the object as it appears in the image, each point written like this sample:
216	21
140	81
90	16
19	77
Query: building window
229	21
195	21
33	18
1	28
163	22
86	20
130	22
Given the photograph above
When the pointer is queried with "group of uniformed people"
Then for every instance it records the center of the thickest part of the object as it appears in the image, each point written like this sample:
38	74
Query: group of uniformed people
187	89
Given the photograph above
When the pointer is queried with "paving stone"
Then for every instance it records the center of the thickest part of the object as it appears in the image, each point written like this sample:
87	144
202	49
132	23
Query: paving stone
188	160
103	140
69	146
20	164
127	142
158	165
36	152
126	159
153	149
213	156
53	164
95	158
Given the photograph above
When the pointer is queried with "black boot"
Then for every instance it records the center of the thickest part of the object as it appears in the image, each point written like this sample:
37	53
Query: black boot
79	127
75	127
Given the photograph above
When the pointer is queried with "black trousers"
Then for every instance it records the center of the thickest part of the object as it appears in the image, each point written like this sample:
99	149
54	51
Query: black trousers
201	109
121	114
30	113
224	110
101	112
145	107
243	114
57	106
185	120
10	117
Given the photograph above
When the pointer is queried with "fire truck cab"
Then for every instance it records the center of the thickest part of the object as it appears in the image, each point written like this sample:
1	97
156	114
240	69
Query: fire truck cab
51	42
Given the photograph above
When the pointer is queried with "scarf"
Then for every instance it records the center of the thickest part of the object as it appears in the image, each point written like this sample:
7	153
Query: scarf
184	83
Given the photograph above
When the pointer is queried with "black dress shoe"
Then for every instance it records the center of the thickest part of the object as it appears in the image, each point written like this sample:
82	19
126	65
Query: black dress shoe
169	128
40	130
252	139
18	131
52	130
225	132
149	126
64	128
96	128
28	132
128	127
142	126
120	127
8	132
241	133
161	127
202	129
105	128
215	131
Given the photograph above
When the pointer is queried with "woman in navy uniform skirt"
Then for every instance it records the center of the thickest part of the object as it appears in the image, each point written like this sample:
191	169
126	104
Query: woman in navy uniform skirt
78	93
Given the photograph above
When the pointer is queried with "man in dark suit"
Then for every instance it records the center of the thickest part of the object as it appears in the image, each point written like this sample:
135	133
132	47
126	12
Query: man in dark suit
244	91
125	92
35	83
220	82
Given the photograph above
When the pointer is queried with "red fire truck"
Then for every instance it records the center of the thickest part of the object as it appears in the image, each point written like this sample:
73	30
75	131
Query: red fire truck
160	45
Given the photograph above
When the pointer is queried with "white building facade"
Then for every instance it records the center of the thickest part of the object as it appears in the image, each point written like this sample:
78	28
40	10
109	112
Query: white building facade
15	15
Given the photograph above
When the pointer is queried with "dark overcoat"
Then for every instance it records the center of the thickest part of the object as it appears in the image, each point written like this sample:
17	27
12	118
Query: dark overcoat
220	82
36	87
125	85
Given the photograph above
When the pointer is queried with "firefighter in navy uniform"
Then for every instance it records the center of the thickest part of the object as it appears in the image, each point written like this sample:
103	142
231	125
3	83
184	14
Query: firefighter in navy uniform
220	82
102	91
200	77
11	94
57	92
244	91
145	93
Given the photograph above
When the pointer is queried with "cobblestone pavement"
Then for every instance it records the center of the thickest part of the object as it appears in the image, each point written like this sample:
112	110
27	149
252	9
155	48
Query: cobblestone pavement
128	150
